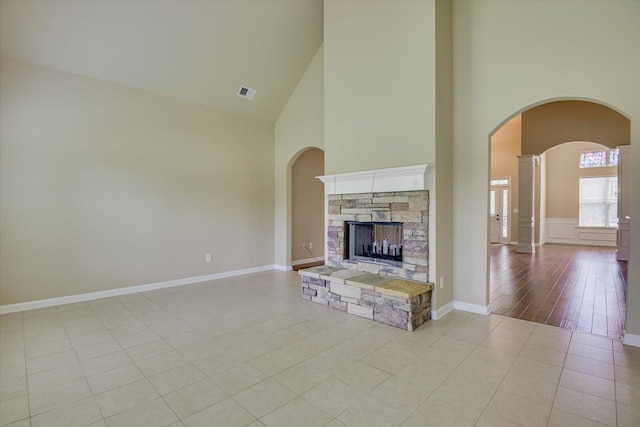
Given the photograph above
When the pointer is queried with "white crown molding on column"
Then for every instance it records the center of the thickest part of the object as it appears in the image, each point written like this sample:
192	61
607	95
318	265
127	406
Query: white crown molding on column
406	178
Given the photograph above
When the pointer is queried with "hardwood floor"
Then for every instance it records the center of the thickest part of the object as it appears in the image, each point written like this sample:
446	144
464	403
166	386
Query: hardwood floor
582	288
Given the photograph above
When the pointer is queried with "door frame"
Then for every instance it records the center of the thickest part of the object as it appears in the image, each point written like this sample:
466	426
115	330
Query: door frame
504	240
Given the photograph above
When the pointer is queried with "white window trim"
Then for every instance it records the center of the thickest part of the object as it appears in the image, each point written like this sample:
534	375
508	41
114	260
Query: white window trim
608	227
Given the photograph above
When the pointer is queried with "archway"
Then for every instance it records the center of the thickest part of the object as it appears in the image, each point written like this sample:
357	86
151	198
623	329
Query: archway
306	225
530	134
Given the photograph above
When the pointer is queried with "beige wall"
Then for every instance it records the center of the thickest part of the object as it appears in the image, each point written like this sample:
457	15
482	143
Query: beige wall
554	123
581	50
299	126
307	206
505	149
442	219
104	187
548	125
388	98
563	175
379	84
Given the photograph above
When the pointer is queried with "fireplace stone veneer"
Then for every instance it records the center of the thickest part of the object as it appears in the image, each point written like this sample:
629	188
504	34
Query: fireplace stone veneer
401	303
411	208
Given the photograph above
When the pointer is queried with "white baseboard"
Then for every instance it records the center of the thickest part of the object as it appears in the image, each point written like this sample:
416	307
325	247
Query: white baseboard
458	305
631	339
50	302
282	267
307	261
471	308
442	311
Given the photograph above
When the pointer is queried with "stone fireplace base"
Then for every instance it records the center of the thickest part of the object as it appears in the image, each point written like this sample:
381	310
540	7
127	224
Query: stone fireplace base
401	303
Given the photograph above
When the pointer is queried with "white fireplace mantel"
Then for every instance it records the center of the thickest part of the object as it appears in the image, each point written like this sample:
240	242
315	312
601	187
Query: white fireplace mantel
406	178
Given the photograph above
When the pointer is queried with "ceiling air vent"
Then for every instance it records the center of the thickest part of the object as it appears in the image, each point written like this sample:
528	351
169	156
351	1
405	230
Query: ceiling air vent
246	92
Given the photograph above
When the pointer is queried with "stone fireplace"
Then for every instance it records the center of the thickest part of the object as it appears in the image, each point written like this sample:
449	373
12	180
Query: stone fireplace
384	230
377	259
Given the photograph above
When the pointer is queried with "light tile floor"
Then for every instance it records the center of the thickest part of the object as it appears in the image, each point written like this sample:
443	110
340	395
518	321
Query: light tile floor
248	351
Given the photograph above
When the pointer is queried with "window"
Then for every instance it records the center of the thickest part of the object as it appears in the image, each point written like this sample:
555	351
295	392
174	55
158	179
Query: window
599	159
613	157
599	201
505	213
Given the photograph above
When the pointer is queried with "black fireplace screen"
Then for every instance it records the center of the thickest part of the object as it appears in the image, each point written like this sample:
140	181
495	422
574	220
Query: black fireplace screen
375	242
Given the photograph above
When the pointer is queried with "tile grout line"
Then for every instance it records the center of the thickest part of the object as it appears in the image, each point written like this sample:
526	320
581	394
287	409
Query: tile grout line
502	381
441	332
555	394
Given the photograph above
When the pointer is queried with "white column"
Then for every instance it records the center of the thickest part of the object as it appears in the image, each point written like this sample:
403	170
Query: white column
624	202
526	205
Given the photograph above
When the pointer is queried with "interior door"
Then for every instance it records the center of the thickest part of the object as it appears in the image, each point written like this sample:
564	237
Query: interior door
499	214
495	210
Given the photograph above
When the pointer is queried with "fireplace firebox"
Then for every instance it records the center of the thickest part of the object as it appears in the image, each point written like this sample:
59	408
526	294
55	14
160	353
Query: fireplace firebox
378	242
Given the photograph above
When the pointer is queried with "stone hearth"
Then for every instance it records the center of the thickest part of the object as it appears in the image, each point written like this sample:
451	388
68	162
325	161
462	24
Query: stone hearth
401	303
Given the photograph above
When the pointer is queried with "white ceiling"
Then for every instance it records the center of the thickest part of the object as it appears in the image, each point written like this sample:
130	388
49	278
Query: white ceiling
196	50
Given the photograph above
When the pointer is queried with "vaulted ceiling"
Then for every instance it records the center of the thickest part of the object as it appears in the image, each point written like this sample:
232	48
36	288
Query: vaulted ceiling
196	50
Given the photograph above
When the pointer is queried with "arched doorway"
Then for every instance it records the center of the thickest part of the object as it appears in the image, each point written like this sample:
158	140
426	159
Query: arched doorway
307	209
531	286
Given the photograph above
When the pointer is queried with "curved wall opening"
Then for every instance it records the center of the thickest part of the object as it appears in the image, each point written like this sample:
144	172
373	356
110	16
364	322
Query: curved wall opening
307	209
555	133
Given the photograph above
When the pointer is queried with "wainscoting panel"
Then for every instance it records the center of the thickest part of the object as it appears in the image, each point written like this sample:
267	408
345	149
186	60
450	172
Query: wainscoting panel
566	230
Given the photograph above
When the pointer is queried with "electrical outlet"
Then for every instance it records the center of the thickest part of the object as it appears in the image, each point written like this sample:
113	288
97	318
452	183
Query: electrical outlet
304	246
442	282
207	258
310	245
